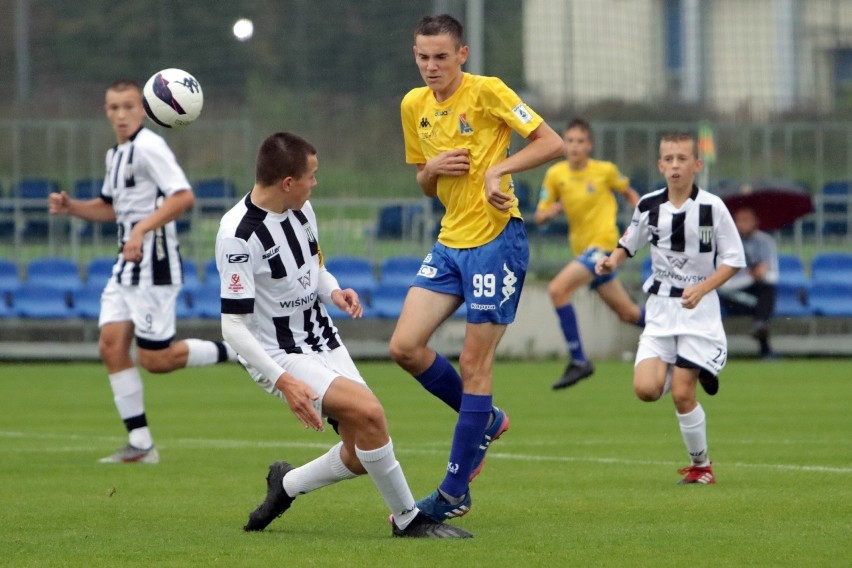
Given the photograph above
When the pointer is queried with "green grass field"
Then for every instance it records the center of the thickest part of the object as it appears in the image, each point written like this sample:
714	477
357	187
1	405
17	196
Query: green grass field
584	477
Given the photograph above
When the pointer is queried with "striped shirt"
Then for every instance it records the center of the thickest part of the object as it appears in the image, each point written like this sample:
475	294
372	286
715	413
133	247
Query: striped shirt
140	174
687	243
269	265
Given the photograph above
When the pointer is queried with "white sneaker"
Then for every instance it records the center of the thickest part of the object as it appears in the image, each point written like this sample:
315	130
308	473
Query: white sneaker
132	454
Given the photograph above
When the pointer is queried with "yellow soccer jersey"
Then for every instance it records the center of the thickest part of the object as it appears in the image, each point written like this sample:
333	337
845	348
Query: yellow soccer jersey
588	200
479	116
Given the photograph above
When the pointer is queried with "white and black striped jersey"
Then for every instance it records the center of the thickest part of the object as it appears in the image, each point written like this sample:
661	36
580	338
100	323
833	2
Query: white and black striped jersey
687	244
269	265
140	174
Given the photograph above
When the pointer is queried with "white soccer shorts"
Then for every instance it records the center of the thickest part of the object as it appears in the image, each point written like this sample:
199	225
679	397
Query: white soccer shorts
696	335
150	308
316	369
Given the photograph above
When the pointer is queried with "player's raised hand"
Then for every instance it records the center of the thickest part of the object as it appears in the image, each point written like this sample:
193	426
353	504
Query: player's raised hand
58	203
348	301
302	400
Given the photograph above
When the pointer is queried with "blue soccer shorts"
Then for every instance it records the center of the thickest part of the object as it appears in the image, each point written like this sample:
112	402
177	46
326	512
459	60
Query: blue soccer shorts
589	258
489	278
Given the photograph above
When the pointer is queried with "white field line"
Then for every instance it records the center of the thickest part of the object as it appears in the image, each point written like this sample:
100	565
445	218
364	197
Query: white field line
89	443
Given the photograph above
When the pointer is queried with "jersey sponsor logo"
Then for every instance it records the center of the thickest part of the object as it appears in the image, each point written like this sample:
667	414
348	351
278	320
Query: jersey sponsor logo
271	252
237	258
302	301
677	262
305	280
522	112
509	281
235	286
661	274
464	126
427	271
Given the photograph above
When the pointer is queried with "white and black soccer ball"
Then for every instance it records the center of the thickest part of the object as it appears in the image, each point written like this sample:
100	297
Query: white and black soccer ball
172	98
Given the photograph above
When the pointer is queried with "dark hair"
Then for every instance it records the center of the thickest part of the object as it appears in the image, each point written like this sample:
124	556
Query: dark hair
123	85
680	136
282	155
580	123
441	24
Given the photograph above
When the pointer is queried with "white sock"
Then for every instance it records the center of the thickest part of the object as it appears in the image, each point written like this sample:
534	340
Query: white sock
127	393
202	353
325	470
693	427
386	472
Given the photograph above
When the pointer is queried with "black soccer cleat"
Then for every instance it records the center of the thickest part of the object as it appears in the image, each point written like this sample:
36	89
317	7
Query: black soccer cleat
709	382
277	501
574	373
424	527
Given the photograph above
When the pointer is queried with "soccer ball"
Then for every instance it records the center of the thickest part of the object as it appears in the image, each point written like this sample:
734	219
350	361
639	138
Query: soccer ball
172	98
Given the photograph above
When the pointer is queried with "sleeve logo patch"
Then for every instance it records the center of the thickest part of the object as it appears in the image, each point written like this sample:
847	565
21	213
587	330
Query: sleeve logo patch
237	258
522	112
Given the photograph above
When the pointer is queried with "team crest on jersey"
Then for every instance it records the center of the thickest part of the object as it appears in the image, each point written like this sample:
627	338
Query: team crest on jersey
677	262
705	234
464	126
235	286
522	112
310	232
305	280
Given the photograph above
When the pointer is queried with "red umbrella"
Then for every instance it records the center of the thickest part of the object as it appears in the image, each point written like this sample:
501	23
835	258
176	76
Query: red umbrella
776	204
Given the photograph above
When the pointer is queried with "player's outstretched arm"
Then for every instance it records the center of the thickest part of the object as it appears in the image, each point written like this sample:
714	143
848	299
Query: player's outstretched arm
90	209
544	145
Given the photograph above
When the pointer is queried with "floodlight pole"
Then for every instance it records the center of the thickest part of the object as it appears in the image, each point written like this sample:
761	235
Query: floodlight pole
22	50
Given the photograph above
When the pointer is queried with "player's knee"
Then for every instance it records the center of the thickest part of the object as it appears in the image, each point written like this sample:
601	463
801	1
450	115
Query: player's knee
559	295
402	352
155	361
647	392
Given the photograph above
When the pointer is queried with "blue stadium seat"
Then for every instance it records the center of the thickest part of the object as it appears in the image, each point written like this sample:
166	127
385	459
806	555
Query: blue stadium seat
34	193
191	280
86	302
399	269
88	188
184	305
211	275
836	207
98	271
791	271
399	221
388	300
791	301
831	267
40	302
54	272
356	273
215	195
9	278
831	299
207	303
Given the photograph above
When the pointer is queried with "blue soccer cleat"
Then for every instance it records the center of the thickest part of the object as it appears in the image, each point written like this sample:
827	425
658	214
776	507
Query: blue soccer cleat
437	508
499	425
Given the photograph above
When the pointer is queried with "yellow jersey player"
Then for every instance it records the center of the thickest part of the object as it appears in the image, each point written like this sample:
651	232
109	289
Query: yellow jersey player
584	190
457	131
